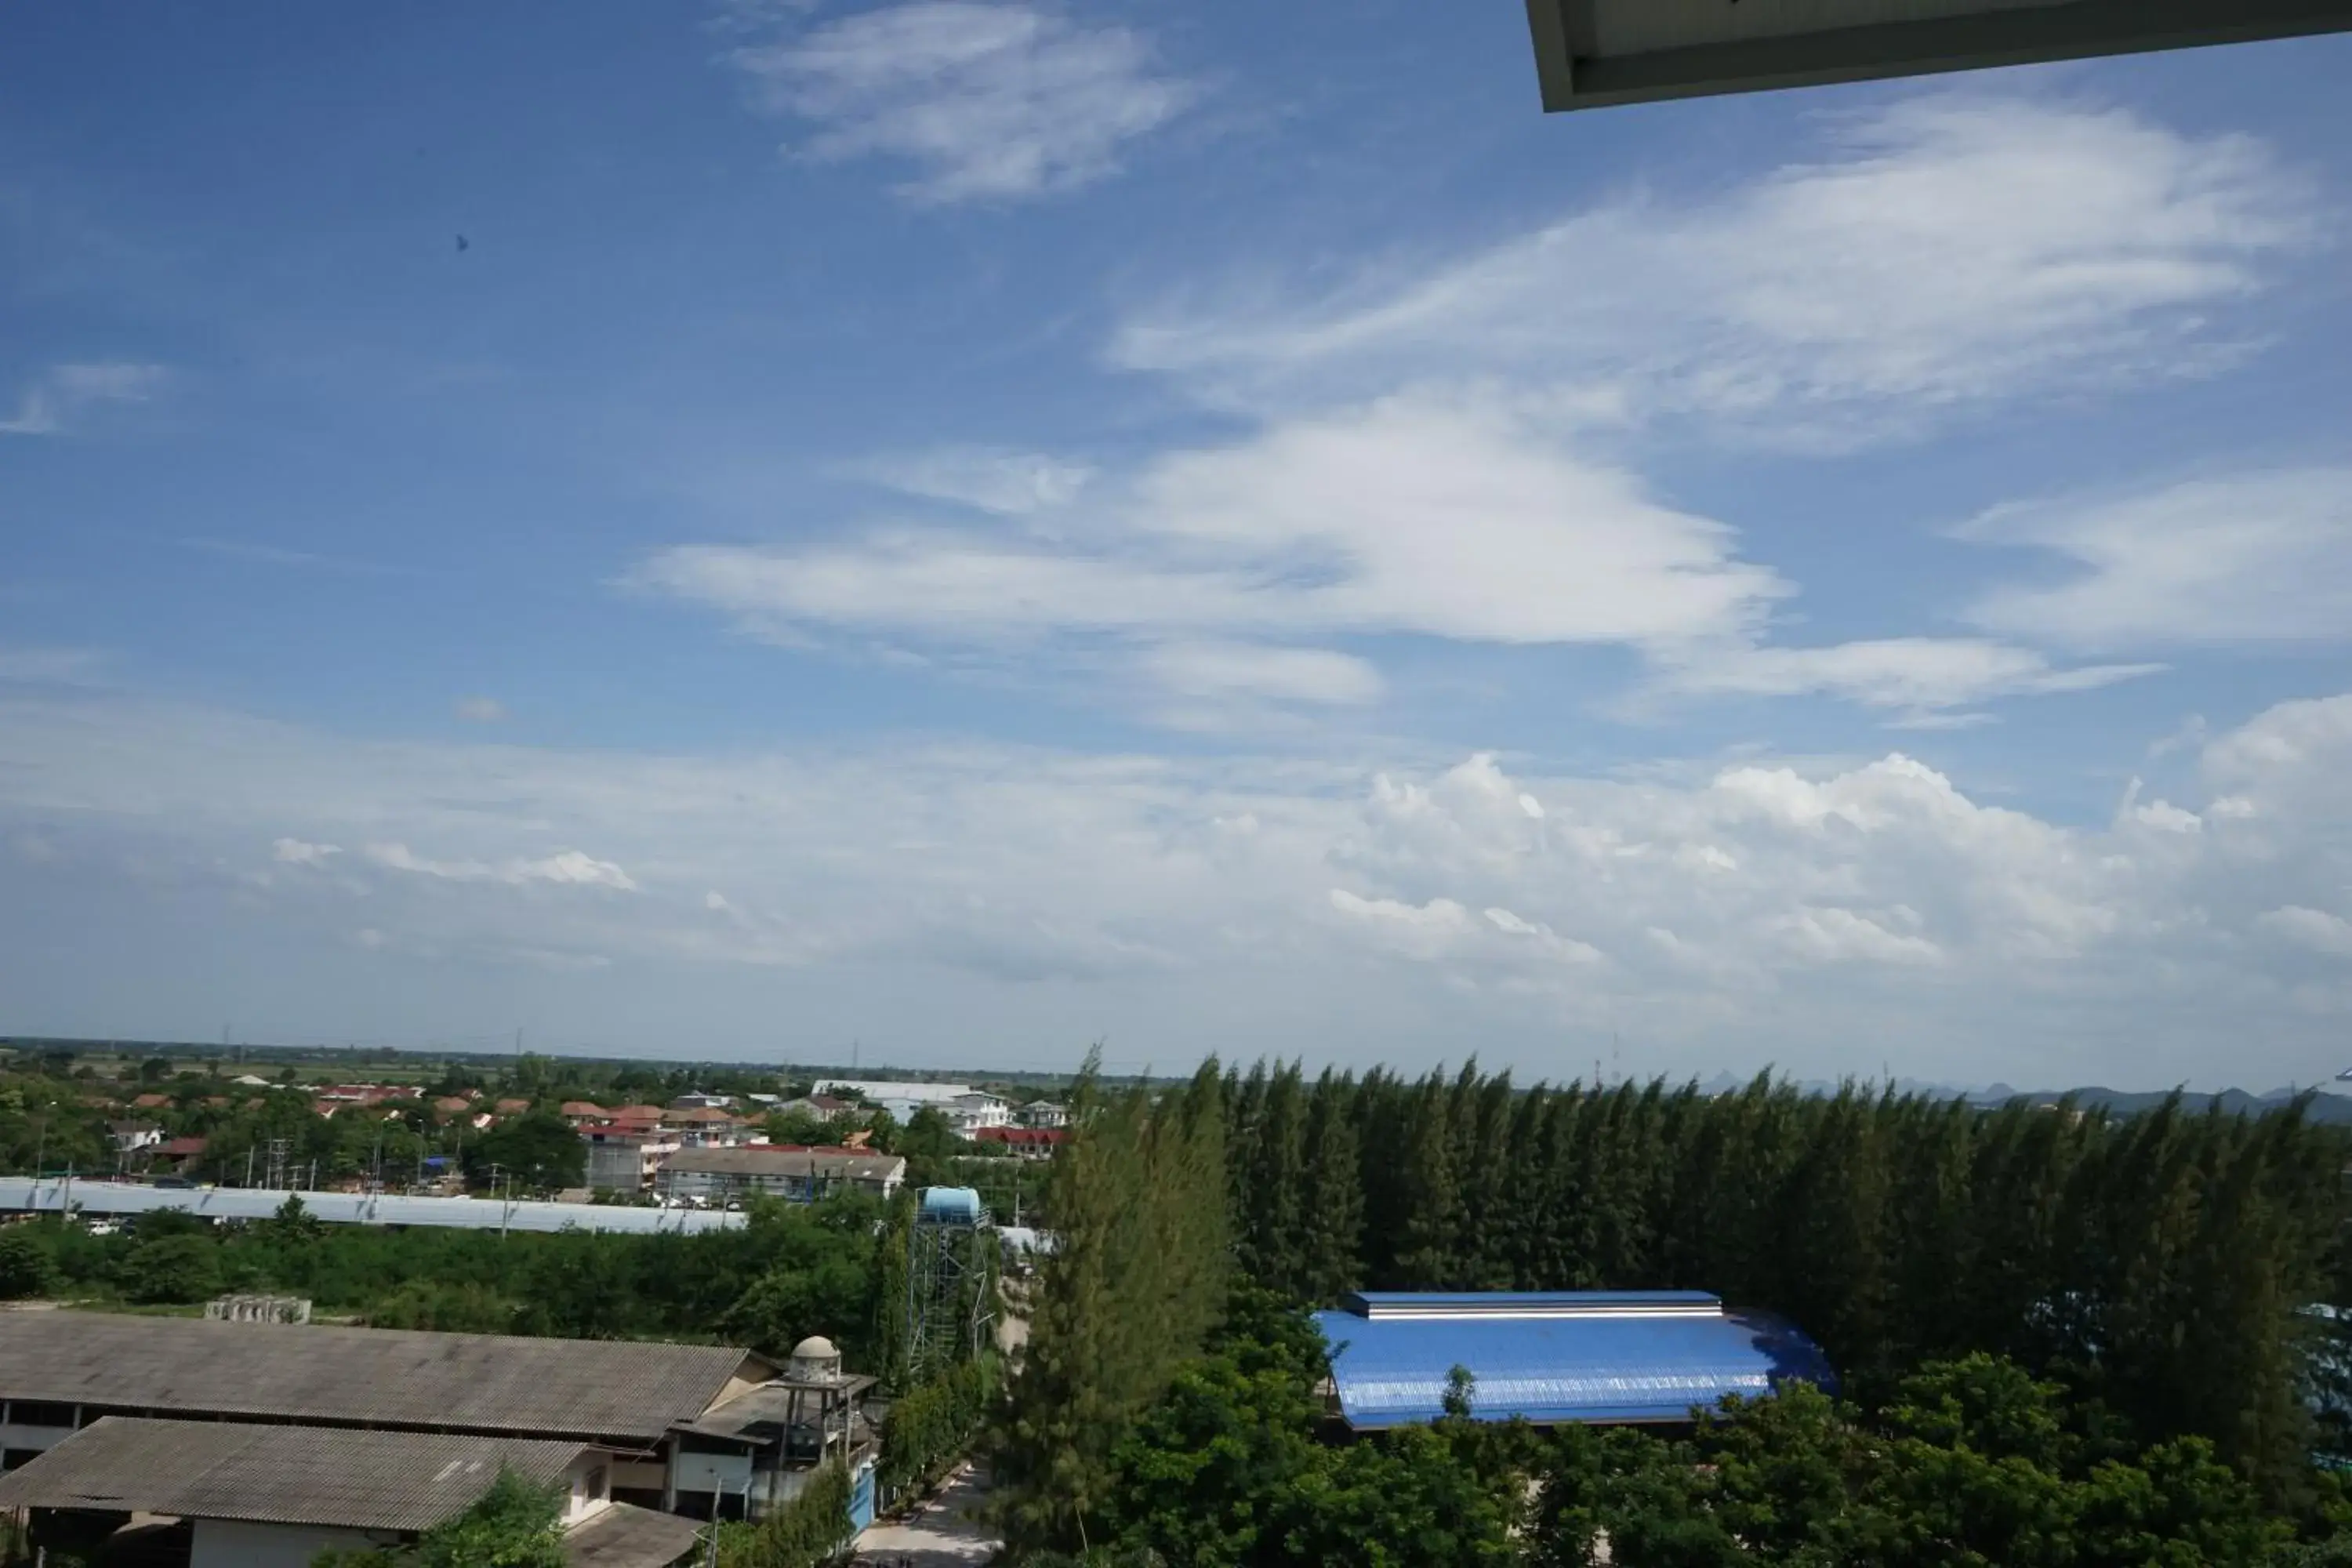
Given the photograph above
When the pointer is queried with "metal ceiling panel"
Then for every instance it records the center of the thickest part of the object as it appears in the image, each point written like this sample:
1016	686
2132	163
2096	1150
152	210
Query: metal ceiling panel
1592	53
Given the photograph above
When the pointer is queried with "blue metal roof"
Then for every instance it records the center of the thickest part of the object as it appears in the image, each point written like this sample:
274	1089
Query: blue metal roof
1555	1371
1526	1303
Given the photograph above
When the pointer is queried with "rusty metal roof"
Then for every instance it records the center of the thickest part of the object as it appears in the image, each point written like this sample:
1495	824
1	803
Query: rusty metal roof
276	1474
491	1384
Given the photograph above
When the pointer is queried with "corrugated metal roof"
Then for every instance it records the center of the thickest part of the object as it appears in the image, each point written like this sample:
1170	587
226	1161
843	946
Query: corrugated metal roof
276	1475
1392	1371
57	1195
757	1160
626	1537
1529	1303
476	1382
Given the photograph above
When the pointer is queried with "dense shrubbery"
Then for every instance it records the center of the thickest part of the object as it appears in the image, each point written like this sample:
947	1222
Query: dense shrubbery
792	1271
810	1530
932	1425
516	1525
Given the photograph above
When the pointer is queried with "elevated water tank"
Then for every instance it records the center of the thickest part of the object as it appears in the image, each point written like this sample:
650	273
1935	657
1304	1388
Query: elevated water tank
949	1206
814	1360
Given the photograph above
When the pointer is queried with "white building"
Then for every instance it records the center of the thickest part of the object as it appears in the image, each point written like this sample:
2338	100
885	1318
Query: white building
719	1176
624	1159
882	1091
967	1113
1045	1113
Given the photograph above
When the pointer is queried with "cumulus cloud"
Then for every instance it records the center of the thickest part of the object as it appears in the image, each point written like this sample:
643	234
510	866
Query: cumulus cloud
1945	251
2315	929
54	400
988	101
1766	912
294	852
2253	558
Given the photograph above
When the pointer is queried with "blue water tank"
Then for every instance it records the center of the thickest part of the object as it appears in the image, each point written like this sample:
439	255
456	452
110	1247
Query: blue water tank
949	1206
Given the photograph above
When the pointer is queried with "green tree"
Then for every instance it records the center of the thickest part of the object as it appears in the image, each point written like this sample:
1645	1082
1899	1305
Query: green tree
176	1269
1139	1196
538	1149
25	1267
517	1524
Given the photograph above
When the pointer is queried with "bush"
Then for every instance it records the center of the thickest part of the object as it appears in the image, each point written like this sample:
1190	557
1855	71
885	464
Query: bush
176	1271
25	1268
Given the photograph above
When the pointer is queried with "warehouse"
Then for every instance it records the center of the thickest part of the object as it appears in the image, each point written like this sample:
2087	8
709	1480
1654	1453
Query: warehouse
232	1495
1556	1358
688	1428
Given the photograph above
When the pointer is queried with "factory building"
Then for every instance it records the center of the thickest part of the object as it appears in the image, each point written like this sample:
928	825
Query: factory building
1556	1358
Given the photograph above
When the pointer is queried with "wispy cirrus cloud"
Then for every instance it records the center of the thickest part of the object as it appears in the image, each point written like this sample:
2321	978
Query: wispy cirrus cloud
2261	557
1920	678
988	478
1457	450
989	101
1952	251
56	399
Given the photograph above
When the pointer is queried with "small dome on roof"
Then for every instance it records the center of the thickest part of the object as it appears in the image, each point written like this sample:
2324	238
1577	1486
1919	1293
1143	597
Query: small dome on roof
816	1347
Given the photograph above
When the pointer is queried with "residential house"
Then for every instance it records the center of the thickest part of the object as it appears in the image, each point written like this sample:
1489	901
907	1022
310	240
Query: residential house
1026	1143
720	1176
132	1137
624	1159
578	1111
967	1113
1045	1113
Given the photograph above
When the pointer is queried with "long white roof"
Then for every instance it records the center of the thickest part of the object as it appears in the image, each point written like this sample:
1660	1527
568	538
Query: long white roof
57	1194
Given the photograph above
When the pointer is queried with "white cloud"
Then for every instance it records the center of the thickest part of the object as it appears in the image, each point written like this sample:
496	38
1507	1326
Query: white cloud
1769	912
295	852
567	867
1948	250
1917	674
2315	929
989	101
481	709
1011	484
2253	558
1226	671
51	404
1841	936
1402	517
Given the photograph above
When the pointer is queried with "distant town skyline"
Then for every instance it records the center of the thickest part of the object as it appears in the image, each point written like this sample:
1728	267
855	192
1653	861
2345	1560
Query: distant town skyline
978	527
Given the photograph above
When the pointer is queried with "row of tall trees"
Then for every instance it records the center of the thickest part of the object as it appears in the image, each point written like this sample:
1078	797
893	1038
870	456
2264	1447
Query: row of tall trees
2157	1263
1126	1298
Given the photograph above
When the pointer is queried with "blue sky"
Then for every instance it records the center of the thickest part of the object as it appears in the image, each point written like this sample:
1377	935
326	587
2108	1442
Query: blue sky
975	527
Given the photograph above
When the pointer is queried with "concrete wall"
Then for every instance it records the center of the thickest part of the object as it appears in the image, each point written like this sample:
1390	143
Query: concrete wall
230	1543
